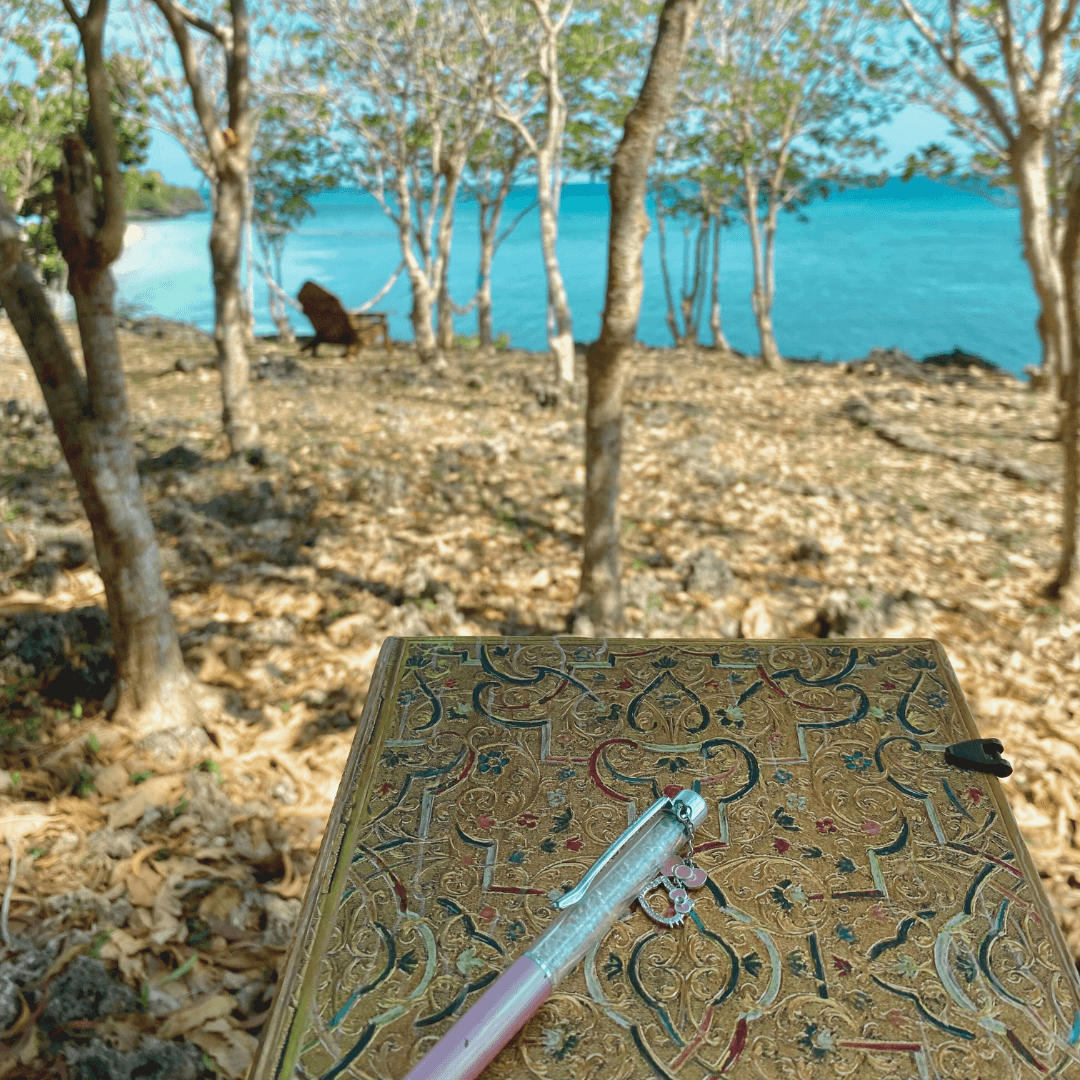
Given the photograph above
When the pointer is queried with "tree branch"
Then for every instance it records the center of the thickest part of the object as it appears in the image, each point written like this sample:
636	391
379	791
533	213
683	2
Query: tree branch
369	304
204	110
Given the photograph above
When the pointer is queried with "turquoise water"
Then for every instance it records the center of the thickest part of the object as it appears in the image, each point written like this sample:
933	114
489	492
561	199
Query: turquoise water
918	265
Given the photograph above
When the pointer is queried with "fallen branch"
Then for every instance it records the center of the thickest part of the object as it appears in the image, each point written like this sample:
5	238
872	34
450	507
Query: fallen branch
381	293
858	411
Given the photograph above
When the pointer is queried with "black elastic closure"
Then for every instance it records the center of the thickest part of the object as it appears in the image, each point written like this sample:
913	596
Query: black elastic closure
979	755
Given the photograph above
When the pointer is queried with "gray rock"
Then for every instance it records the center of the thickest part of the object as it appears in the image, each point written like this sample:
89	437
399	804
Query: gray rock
29	965
115	843
868	614
10	1001
174	744
272	631
708	573
645	592
85	991
155	1059
281	916
178	457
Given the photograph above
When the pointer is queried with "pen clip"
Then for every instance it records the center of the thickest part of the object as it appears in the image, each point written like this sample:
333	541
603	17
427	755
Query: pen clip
579	890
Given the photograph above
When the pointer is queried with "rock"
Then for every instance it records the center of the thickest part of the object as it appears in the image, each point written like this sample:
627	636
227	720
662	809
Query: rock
809	550
85	991
284	791
178	457
546	393
344	631
540	580
114	843
873	614
762	618
112	780
187	364
10	1001
156	327
970	521
708	573
961	360
721	478
278	370
245	507
173	746
645	592
89	676
271	631
155	1059
416	581
11	556
858	410
41	640
893	361
281	916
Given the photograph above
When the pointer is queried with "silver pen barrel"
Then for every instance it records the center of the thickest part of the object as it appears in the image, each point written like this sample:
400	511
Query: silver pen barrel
574	931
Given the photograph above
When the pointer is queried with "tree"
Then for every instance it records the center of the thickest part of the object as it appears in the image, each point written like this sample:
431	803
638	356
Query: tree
412	123
89	408
671	199
284	181
37	111
219	145
1070	425
768	83
538	115
997	72
599	602
494	164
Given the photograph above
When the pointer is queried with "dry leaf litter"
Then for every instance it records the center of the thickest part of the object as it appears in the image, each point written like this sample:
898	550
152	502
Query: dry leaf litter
147	912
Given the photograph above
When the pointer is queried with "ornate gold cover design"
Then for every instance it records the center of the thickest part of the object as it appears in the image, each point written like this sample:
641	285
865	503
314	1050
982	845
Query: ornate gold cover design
870	911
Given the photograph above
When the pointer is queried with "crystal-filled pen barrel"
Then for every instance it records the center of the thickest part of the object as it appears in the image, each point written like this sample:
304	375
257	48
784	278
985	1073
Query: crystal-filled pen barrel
623	873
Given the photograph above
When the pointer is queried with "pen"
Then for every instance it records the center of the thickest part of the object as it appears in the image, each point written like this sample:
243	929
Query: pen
642	859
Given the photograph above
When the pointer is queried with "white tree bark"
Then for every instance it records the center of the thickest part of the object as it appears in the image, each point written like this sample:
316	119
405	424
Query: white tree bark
543	138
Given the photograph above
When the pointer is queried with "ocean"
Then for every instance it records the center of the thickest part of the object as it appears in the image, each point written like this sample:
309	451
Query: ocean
920	266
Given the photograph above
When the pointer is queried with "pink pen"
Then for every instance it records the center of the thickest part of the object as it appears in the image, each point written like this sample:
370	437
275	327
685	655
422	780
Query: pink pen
643	858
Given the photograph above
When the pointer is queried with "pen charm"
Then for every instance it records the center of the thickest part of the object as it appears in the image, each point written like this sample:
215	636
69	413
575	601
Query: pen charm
676	876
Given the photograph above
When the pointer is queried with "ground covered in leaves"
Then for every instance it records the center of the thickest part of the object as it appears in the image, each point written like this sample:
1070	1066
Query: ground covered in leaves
147	913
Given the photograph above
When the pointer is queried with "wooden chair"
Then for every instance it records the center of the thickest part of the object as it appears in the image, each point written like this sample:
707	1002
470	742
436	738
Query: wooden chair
336	326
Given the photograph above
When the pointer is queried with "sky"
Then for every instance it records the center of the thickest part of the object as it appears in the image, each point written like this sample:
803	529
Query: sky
911	128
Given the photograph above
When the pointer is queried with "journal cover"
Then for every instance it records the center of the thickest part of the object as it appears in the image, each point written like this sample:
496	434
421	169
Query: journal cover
870	911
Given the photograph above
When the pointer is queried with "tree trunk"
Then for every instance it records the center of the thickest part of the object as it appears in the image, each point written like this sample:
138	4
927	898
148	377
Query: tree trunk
238	412
760	300
688	293
445	310
1070	385
661	232
561	333
423	302
249	265
442	258
599	602
719	341
484	318
1039	253
154	691
286	333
